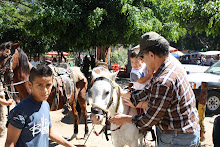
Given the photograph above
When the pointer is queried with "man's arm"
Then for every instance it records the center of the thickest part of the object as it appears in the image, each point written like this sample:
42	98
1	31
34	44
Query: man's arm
4	102
159	100
60	140
125	93
12	136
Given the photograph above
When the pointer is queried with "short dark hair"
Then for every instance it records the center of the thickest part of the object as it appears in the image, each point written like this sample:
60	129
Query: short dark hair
152	41
160	49
41	70
134	55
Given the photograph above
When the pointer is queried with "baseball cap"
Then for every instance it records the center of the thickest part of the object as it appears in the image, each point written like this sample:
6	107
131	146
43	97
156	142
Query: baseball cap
150	39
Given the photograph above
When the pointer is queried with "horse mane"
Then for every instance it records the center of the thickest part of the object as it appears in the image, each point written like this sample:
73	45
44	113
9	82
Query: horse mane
23	61
101	71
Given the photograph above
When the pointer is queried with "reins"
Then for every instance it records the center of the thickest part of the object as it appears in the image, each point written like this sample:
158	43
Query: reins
105	111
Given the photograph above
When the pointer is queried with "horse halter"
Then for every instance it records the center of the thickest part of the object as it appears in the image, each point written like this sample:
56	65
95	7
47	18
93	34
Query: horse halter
95	110
9	63
98	110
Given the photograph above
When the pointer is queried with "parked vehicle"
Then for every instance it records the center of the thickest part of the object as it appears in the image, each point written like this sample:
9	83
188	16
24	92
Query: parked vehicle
212	77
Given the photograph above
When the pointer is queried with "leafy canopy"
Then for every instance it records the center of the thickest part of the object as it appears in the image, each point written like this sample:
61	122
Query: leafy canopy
83	24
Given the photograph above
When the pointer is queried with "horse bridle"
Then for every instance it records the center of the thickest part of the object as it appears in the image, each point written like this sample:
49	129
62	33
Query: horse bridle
94	110
105	111
9	63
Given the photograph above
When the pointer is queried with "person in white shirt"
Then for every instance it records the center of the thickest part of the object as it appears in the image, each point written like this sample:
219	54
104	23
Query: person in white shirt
35	62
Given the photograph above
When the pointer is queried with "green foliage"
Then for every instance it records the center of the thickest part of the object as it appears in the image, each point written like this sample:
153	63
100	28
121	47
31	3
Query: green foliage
95	19
196	42
13	18
84	24
13	26
119	56
198	16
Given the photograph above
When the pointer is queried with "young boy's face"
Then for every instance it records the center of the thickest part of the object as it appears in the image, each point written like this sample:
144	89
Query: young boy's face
41	88
136	63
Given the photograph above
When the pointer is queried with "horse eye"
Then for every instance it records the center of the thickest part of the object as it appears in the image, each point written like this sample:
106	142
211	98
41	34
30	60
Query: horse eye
107	93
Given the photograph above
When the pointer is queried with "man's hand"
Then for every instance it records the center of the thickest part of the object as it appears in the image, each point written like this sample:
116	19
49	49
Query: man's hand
121	119
9	102
4	102
125	93
128	102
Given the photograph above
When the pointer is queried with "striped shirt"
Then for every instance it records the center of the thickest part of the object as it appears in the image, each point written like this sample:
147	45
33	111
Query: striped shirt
171	101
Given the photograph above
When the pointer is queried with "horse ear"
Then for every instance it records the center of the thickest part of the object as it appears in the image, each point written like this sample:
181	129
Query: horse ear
15	45
114	75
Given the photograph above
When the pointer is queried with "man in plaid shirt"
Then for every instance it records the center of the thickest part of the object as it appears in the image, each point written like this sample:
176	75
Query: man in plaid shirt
170	99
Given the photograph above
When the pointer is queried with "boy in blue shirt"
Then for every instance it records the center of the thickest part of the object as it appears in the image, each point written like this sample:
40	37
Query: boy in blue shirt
29	123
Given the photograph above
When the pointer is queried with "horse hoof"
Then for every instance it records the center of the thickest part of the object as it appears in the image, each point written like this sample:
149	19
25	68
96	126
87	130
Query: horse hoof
65	111
73	136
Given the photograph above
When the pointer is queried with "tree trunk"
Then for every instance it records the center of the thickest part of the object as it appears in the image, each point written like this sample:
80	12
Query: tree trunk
103	50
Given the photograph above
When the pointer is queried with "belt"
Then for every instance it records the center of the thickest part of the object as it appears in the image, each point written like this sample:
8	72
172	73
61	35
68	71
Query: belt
175	132
178	131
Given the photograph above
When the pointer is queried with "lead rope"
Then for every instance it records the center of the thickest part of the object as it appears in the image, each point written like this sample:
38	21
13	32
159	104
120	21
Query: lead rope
89	134
11	75
106	126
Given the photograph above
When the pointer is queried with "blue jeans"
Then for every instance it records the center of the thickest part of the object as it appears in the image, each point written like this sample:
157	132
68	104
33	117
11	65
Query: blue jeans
178	140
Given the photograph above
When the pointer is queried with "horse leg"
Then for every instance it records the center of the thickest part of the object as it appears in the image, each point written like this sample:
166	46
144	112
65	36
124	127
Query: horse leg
82	102
141	141
75	120
78	109
87	97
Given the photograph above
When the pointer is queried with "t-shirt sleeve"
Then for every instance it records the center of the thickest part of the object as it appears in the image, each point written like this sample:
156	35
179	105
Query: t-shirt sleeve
133	77
16	119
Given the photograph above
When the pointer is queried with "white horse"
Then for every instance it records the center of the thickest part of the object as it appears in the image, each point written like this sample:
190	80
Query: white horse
105	94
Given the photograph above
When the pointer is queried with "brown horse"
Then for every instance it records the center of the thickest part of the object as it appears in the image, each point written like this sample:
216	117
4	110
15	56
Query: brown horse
14	66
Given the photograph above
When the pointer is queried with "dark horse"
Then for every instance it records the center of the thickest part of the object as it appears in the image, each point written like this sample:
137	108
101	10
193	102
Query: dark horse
19	70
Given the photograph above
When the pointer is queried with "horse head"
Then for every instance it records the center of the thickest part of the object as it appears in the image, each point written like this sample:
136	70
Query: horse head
102	93
7	51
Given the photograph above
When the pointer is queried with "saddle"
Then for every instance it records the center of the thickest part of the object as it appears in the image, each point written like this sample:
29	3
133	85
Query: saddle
63	83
